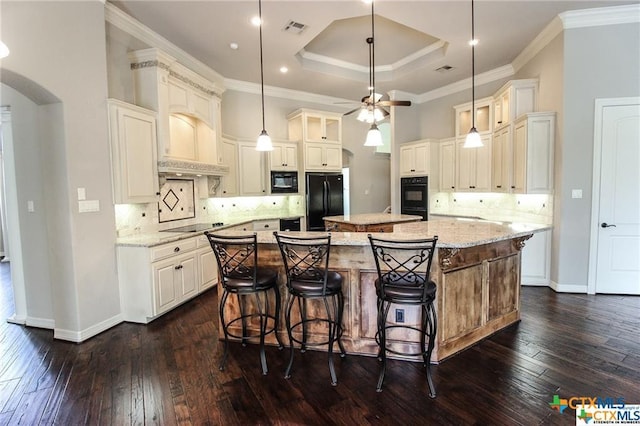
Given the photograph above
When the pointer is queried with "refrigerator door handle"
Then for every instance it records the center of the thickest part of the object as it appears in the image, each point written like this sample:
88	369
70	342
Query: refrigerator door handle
324	197
328	197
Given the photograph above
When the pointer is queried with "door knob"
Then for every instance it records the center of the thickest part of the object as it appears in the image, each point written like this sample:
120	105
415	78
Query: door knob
606	225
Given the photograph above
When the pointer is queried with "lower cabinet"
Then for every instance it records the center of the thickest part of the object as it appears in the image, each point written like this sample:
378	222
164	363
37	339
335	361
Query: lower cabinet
536	259
154	280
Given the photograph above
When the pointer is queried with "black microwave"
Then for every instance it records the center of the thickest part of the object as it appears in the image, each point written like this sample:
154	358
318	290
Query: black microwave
284	182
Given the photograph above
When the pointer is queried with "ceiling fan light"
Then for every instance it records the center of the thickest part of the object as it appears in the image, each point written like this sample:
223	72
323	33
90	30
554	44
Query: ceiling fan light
377	115
363	115
473	139
264	142
374	136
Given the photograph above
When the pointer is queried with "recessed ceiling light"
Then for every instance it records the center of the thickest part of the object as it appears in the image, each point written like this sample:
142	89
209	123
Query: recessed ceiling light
284	70
473	42
234	46
255	21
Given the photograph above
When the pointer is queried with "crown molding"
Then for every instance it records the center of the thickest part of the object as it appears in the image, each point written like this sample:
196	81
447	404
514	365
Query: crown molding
551	31
613	15
133	27
484	78
279	92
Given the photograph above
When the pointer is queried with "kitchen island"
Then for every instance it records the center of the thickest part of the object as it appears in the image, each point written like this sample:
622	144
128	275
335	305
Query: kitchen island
476	268
367	222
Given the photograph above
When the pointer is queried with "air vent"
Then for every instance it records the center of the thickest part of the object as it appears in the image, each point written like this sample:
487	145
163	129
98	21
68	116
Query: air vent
444	68
294	27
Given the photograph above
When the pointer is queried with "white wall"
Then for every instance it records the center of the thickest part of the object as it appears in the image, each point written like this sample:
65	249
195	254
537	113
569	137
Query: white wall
47	52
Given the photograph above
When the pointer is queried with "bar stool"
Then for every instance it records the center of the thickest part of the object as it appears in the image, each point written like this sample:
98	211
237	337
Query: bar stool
403	279
237	258
306	262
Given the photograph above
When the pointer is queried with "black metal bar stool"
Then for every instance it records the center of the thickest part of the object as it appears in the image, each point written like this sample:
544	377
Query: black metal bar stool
237	258
403	279
306	262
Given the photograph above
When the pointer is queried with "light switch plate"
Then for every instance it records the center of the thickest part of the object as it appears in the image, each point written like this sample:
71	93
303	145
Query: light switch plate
576	193
82	194
88	206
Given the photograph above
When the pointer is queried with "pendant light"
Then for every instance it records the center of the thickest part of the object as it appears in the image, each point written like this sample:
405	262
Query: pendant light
473	139
264	141
374	137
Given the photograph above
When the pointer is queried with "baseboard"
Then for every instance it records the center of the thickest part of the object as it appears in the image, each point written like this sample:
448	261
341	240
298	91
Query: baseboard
535	283
94	330
49	324
19	320
568	288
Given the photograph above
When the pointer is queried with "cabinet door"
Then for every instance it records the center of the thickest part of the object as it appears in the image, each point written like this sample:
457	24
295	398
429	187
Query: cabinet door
314	128
229	182
134	155
448	166
421	155
314	158
483	165
536	259
284	157
207	269
407	163
520	157
501	160
251	163
333	157
333	129
465	166
187	278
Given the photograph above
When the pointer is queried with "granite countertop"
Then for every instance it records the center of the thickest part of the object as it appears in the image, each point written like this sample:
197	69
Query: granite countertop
373	218
452	233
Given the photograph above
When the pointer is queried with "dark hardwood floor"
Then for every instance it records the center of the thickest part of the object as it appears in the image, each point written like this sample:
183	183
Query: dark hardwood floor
166	372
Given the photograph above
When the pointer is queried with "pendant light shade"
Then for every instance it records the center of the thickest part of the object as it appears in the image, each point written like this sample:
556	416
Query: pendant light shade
264	141
473	139
374	136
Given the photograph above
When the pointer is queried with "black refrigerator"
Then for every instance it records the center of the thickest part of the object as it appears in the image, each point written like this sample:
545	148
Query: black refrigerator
324	198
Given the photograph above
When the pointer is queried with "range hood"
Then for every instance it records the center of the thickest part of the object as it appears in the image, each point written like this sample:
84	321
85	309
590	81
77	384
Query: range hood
191	168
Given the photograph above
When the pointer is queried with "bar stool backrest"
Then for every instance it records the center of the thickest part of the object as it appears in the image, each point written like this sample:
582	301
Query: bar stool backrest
404	263
305	258
237	256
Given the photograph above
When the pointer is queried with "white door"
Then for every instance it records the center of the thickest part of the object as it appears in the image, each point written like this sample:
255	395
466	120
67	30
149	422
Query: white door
617	136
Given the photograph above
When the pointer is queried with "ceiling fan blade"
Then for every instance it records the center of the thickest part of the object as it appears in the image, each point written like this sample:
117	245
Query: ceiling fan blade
384	112
394	103
352	111
347	103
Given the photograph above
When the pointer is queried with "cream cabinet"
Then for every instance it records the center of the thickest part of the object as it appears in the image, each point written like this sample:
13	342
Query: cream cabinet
207	264
132	132
484	116
447	165
415	159
252	169
473	166
501	160
153	280
515	98
284	156
266	225
229	181
533	148
322	157
315	126
536	259
188	112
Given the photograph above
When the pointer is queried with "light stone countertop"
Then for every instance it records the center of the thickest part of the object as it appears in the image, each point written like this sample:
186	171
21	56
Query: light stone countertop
452	233
373	218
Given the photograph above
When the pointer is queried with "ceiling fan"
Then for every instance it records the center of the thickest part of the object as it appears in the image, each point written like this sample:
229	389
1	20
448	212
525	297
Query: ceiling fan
372	105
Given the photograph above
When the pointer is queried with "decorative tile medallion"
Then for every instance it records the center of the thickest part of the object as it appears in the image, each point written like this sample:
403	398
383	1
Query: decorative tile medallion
177	200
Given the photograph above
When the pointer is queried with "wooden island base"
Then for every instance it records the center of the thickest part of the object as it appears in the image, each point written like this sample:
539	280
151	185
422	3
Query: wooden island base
478	293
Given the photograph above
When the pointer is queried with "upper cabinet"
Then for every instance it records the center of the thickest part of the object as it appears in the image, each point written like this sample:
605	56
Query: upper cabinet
473	166
321	136
188	108
420	158
252	169
533	146
515	98
447	165
132	132
284	156
483	113
315	126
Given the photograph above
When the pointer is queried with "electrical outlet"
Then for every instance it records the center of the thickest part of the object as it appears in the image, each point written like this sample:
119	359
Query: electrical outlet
399	315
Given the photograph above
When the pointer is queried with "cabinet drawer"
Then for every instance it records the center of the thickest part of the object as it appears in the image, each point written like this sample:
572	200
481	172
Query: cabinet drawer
266	225
202	241
173	249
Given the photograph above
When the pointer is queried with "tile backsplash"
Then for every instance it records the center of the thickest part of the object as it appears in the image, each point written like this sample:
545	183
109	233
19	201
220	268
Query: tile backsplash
534	208
144	218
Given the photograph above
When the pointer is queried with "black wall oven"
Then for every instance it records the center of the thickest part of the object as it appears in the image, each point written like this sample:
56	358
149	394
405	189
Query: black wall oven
414	196
284	182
